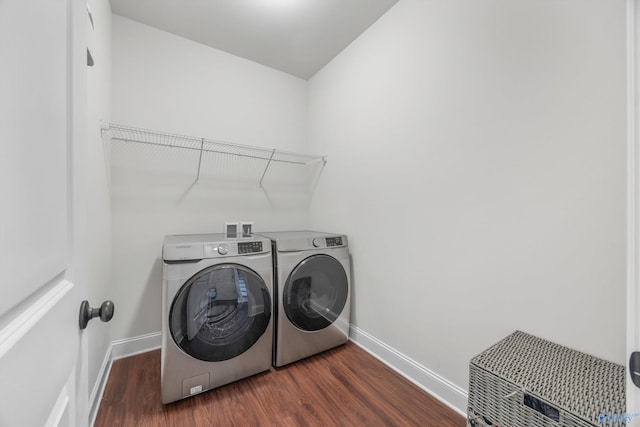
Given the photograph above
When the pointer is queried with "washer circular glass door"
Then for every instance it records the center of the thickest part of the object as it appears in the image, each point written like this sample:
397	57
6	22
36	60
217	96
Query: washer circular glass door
220	312
315	293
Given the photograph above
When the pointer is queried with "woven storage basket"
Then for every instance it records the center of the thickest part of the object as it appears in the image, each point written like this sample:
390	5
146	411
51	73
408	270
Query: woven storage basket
568	388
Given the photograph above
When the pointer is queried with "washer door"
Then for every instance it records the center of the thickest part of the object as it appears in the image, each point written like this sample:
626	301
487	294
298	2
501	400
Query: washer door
315	293
220	312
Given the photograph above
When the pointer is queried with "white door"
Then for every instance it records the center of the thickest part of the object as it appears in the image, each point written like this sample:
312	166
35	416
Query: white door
633	207
42	103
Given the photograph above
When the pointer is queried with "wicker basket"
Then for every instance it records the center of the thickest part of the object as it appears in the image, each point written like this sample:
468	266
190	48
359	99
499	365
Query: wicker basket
525	381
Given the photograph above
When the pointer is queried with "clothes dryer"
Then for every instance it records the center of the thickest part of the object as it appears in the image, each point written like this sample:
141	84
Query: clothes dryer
216	312
312	282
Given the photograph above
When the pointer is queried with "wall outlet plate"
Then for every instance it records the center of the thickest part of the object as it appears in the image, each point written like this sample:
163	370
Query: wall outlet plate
231	230
246	228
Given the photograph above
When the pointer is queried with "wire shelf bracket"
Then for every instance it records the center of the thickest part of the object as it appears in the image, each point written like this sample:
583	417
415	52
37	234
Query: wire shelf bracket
266	168
200	160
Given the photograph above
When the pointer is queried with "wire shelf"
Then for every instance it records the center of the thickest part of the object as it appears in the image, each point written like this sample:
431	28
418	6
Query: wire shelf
209	157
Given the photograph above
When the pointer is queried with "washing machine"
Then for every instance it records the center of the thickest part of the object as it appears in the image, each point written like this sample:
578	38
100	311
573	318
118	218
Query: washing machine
313	290
217	323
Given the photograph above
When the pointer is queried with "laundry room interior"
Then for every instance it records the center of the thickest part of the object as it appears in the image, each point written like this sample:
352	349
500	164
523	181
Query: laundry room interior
474	153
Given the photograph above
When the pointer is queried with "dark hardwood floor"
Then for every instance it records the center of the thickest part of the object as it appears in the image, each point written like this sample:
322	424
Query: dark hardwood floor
345	386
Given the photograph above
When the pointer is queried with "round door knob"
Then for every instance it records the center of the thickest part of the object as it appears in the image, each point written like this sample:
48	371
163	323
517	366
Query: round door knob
316	242
223	249
105	312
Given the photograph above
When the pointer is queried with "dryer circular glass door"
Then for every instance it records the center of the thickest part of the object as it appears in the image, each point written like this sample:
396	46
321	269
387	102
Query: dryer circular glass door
315	293
220	312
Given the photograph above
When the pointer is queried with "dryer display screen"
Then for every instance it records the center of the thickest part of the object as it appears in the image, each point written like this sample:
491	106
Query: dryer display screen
249	247
334	241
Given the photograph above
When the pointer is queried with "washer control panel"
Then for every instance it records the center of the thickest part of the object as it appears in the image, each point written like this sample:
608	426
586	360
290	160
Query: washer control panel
195	247
231	248
249	247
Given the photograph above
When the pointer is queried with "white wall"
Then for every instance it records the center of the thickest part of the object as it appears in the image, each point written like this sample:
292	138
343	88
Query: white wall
167	83
477	157
99	202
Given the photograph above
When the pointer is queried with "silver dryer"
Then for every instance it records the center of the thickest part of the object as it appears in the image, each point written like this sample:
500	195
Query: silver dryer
313	292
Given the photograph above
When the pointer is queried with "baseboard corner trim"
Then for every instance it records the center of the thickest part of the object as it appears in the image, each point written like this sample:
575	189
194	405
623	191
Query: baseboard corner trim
136	345
98	388
439	387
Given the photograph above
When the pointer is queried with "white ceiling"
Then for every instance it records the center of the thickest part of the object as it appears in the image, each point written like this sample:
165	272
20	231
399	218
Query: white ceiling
298	37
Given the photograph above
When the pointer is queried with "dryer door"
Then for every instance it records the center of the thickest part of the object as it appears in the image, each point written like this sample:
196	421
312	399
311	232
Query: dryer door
220	312
315	293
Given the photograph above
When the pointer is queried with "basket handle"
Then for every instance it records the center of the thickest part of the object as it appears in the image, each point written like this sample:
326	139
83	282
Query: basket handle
511	394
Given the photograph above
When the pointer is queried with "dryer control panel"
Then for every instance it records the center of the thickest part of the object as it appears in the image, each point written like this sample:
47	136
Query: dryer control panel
293	241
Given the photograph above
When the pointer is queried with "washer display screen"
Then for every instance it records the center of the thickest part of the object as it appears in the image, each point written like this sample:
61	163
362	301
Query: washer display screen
220	312
315	293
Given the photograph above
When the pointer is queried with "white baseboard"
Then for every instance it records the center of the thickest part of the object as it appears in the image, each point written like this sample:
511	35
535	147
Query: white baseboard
434	384
136	345
98	387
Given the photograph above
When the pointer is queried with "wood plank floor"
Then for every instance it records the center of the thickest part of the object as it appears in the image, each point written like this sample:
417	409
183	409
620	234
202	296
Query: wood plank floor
345	386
